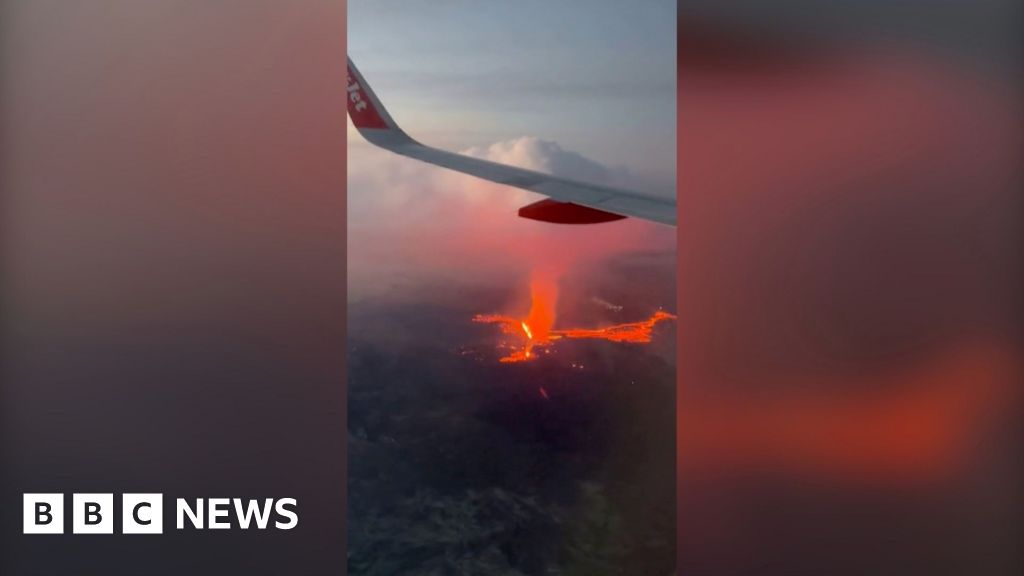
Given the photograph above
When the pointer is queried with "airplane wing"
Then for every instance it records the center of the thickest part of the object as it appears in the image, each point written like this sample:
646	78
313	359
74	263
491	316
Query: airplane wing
569	201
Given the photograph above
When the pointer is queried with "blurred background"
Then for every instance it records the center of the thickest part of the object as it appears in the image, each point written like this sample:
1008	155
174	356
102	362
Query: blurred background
850	227
172	275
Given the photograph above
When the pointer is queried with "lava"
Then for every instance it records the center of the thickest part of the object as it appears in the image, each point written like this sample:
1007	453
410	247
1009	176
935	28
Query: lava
636	332
538	332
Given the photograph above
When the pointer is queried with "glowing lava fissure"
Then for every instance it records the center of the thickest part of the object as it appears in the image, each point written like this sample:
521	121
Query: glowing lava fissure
537	329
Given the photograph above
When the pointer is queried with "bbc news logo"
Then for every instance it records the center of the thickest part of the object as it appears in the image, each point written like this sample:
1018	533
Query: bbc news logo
143	513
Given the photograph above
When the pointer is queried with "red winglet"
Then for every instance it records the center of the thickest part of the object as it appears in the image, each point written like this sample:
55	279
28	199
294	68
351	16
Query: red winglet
360	107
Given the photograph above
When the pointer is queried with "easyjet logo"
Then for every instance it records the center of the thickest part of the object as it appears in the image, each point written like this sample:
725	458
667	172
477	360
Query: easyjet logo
355	96
364	115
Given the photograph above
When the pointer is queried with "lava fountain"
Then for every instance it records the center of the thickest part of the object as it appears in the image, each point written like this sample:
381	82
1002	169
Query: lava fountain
537	329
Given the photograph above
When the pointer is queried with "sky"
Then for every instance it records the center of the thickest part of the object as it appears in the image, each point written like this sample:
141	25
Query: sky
586	94
600	80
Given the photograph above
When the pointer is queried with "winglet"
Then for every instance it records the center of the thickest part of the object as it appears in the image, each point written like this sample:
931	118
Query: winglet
368	115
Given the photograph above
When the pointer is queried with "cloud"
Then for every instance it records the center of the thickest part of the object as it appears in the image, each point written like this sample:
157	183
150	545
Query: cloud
547	156
410	220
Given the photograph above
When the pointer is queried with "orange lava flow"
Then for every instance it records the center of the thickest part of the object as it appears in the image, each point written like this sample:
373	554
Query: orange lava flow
537	329
637	332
